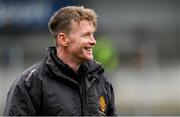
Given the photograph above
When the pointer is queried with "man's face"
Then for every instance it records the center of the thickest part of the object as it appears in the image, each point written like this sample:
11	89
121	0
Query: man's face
81	41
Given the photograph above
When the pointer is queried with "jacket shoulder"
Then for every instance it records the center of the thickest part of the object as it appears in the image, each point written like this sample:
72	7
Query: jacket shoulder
24	94
32	69
29	76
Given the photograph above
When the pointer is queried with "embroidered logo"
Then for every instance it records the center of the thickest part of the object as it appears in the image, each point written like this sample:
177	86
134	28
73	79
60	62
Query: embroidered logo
28	77
102	103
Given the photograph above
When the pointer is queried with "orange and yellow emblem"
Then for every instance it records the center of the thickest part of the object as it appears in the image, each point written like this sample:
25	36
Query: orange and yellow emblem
102	103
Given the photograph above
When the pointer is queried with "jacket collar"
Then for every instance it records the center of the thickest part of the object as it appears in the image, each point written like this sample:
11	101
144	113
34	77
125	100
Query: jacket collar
59	68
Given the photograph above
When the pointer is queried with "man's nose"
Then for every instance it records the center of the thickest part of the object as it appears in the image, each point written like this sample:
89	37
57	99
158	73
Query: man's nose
92	40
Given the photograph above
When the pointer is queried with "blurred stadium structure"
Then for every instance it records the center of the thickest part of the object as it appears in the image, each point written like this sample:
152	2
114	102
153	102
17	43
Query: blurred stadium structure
145	34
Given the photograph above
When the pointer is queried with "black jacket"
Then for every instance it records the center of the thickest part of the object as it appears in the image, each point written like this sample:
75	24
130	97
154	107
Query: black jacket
51	87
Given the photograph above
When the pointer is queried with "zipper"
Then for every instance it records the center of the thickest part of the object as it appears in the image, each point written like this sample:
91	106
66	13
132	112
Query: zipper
81	98
83	89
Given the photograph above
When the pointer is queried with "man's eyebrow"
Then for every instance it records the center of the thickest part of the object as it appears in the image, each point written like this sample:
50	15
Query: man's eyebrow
87	33
90	32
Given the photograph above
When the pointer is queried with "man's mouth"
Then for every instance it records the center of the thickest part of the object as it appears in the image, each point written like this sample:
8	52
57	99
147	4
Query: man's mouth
88	48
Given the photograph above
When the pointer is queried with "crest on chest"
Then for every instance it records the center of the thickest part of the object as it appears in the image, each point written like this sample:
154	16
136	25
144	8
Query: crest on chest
102	103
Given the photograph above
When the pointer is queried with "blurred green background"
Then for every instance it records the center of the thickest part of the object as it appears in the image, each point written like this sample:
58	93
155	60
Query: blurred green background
138	42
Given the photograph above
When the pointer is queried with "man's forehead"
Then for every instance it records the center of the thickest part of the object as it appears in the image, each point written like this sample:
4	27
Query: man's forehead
84	25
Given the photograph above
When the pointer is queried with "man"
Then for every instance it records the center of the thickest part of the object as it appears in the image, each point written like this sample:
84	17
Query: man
68	81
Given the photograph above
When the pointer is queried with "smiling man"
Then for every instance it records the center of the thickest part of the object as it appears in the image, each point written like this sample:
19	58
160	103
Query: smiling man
68	81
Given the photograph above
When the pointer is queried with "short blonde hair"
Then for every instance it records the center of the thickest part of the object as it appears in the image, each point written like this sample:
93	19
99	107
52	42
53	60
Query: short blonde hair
61	20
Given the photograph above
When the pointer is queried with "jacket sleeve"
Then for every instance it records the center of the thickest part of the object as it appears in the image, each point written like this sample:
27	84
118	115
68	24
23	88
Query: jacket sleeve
23	96
112	108
111	111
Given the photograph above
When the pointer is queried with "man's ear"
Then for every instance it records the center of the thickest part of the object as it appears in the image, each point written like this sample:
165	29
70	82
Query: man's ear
62	39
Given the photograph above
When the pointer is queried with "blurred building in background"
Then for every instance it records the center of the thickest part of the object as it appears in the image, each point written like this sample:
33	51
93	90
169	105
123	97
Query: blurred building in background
145	36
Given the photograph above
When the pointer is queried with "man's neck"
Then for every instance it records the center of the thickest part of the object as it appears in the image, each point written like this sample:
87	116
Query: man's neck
74	64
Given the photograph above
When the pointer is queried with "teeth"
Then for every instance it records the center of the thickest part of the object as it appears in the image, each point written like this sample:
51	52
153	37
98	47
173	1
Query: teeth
89	49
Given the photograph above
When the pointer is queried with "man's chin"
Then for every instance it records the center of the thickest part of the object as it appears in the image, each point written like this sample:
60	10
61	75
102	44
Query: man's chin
89	58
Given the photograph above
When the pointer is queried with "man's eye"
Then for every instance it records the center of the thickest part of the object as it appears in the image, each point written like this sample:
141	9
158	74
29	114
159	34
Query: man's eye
85	36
